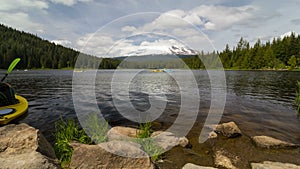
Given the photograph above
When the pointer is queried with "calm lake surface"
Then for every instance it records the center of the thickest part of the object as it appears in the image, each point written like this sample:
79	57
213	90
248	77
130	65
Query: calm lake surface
260	102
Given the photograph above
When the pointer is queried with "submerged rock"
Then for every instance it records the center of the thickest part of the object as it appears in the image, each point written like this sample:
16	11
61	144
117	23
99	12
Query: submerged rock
221	160
167	140
273	165
22	146
122	133
270	142
212	135
96	156
229	129
193	166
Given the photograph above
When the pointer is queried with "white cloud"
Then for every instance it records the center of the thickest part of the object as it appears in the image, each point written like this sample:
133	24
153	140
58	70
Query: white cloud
8	5
222	17
107	46
69	2
210	26
21	21
62	42
186	32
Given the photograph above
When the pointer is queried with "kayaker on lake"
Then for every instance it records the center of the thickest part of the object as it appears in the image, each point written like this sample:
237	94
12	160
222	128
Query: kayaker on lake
7	95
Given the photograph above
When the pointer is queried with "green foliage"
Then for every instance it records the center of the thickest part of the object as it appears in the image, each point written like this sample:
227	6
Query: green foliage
148	144
297	99
96	129
67	131
145	130
38	53
292	62
271	55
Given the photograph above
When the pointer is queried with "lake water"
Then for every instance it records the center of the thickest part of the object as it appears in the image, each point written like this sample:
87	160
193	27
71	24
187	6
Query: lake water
260	102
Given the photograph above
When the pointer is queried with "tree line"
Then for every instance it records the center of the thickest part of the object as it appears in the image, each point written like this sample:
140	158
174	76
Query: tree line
281	53
36	53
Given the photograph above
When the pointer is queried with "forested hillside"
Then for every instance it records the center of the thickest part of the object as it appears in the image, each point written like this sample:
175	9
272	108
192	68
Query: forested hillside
38	53
35	52
281	53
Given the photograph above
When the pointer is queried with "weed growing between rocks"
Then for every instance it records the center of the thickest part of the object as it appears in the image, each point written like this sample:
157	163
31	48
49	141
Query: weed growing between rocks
96	129
67	131
148	143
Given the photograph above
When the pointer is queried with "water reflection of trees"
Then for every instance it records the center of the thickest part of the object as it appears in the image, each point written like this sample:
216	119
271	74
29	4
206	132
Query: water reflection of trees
270	85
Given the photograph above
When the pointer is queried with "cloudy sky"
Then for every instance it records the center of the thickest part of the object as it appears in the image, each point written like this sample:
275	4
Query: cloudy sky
114	28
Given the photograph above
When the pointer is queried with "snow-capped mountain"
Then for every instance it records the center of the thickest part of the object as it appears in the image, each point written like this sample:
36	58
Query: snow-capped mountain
161	50
287	34
177	50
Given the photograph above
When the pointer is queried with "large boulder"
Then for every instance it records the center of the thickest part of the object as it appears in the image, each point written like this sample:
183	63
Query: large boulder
229	129
167	140
270	142
113	154
24	147
193	166
273	165
122	133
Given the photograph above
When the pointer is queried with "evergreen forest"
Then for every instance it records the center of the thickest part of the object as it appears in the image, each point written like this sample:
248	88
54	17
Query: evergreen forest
37	53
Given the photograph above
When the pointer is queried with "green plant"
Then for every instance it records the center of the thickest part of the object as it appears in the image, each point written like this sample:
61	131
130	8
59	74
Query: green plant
96	128
297	99
148	144
145	130
67	131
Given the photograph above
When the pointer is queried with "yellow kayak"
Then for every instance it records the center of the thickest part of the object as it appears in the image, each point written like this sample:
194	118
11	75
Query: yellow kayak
157	70
11	112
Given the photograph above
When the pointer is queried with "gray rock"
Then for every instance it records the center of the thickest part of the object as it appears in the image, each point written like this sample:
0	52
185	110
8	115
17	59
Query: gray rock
193	166
270	142
229	129
122	133
273	165
221	160
22	146
98	156
167	140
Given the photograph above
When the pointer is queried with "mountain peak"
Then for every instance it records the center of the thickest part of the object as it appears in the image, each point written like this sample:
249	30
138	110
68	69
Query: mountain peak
180	50
287	34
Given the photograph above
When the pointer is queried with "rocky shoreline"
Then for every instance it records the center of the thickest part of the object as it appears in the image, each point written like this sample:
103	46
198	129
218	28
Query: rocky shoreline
22	146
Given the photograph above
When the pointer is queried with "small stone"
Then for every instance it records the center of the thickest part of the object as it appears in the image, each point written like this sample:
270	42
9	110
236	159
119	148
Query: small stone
223	161
270	142
193	166
167	140
229	130
122	133
273	165
212	135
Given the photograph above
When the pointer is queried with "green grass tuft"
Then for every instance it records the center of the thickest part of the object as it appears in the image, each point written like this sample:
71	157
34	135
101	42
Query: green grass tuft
67	131
96	129
148	144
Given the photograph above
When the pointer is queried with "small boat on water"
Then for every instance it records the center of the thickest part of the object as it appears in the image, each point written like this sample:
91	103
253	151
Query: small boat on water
11	112
162	70
157	70
12	106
